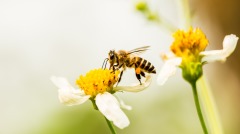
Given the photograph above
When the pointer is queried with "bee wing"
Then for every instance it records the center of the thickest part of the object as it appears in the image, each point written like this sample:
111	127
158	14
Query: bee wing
139	50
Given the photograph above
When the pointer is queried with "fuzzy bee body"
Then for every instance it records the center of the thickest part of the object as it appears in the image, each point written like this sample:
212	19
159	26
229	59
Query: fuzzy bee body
143	64
127	59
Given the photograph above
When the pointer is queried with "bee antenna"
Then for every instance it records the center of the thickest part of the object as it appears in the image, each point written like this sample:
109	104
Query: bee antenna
105	63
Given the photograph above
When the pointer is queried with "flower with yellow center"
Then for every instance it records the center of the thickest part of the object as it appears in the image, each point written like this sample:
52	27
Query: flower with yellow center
188	53
189	44
98	86
98	81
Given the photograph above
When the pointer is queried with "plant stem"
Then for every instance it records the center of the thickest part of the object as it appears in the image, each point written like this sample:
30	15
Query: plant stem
108	122
162	21
200	115
209	107
110	126
94	104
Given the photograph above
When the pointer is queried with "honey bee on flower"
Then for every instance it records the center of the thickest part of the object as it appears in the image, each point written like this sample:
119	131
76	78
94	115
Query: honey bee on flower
122	59
98	85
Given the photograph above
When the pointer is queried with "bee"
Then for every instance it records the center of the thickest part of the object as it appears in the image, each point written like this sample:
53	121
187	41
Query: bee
129	59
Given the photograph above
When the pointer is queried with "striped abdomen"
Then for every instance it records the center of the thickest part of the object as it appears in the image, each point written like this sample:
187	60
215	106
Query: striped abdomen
143	64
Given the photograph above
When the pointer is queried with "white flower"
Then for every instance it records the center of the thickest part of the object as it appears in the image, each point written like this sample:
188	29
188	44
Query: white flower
67	94
171	64
229	45
107	104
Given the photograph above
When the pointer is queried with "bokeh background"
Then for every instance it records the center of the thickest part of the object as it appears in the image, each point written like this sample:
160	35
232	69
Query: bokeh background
39	39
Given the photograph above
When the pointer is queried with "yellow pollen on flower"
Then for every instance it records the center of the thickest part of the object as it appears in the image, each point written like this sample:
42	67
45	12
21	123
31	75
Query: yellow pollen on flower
189	43
97	81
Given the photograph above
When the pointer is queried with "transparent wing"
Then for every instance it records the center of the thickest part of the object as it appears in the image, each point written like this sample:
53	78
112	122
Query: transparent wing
139	50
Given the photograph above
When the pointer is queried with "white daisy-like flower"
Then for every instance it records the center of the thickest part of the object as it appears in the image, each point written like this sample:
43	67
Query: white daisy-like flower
188	54
98	85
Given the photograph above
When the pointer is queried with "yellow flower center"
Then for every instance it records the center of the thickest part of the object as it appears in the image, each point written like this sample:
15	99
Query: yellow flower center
97	81
189	43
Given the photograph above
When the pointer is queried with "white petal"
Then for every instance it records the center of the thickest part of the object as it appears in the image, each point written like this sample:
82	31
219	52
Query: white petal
60	82
229	45
109	107
69	98
124	106
135	87
67	94
169	68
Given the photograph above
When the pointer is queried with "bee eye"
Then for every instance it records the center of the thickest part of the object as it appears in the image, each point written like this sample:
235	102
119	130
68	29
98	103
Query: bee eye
111	57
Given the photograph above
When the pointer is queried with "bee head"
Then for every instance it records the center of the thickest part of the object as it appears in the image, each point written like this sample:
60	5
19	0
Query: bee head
111	54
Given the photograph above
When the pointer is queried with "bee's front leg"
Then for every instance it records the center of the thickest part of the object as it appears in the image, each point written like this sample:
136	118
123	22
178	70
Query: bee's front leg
118	67
112	67
120	77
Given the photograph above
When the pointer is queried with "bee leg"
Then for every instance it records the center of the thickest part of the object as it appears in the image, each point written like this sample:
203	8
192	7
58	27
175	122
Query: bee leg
120	77
142	73
139	78
138	72
111	67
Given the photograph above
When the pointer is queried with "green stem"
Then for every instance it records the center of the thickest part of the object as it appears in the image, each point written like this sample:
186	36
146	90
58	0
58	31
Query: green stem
108	122
94	104
200	115
154	16
209	107
110	126
170	27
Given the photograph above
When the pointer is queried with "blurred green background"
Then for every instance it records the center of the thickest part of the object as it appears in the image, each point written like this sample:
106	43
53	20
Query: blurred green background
39	39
